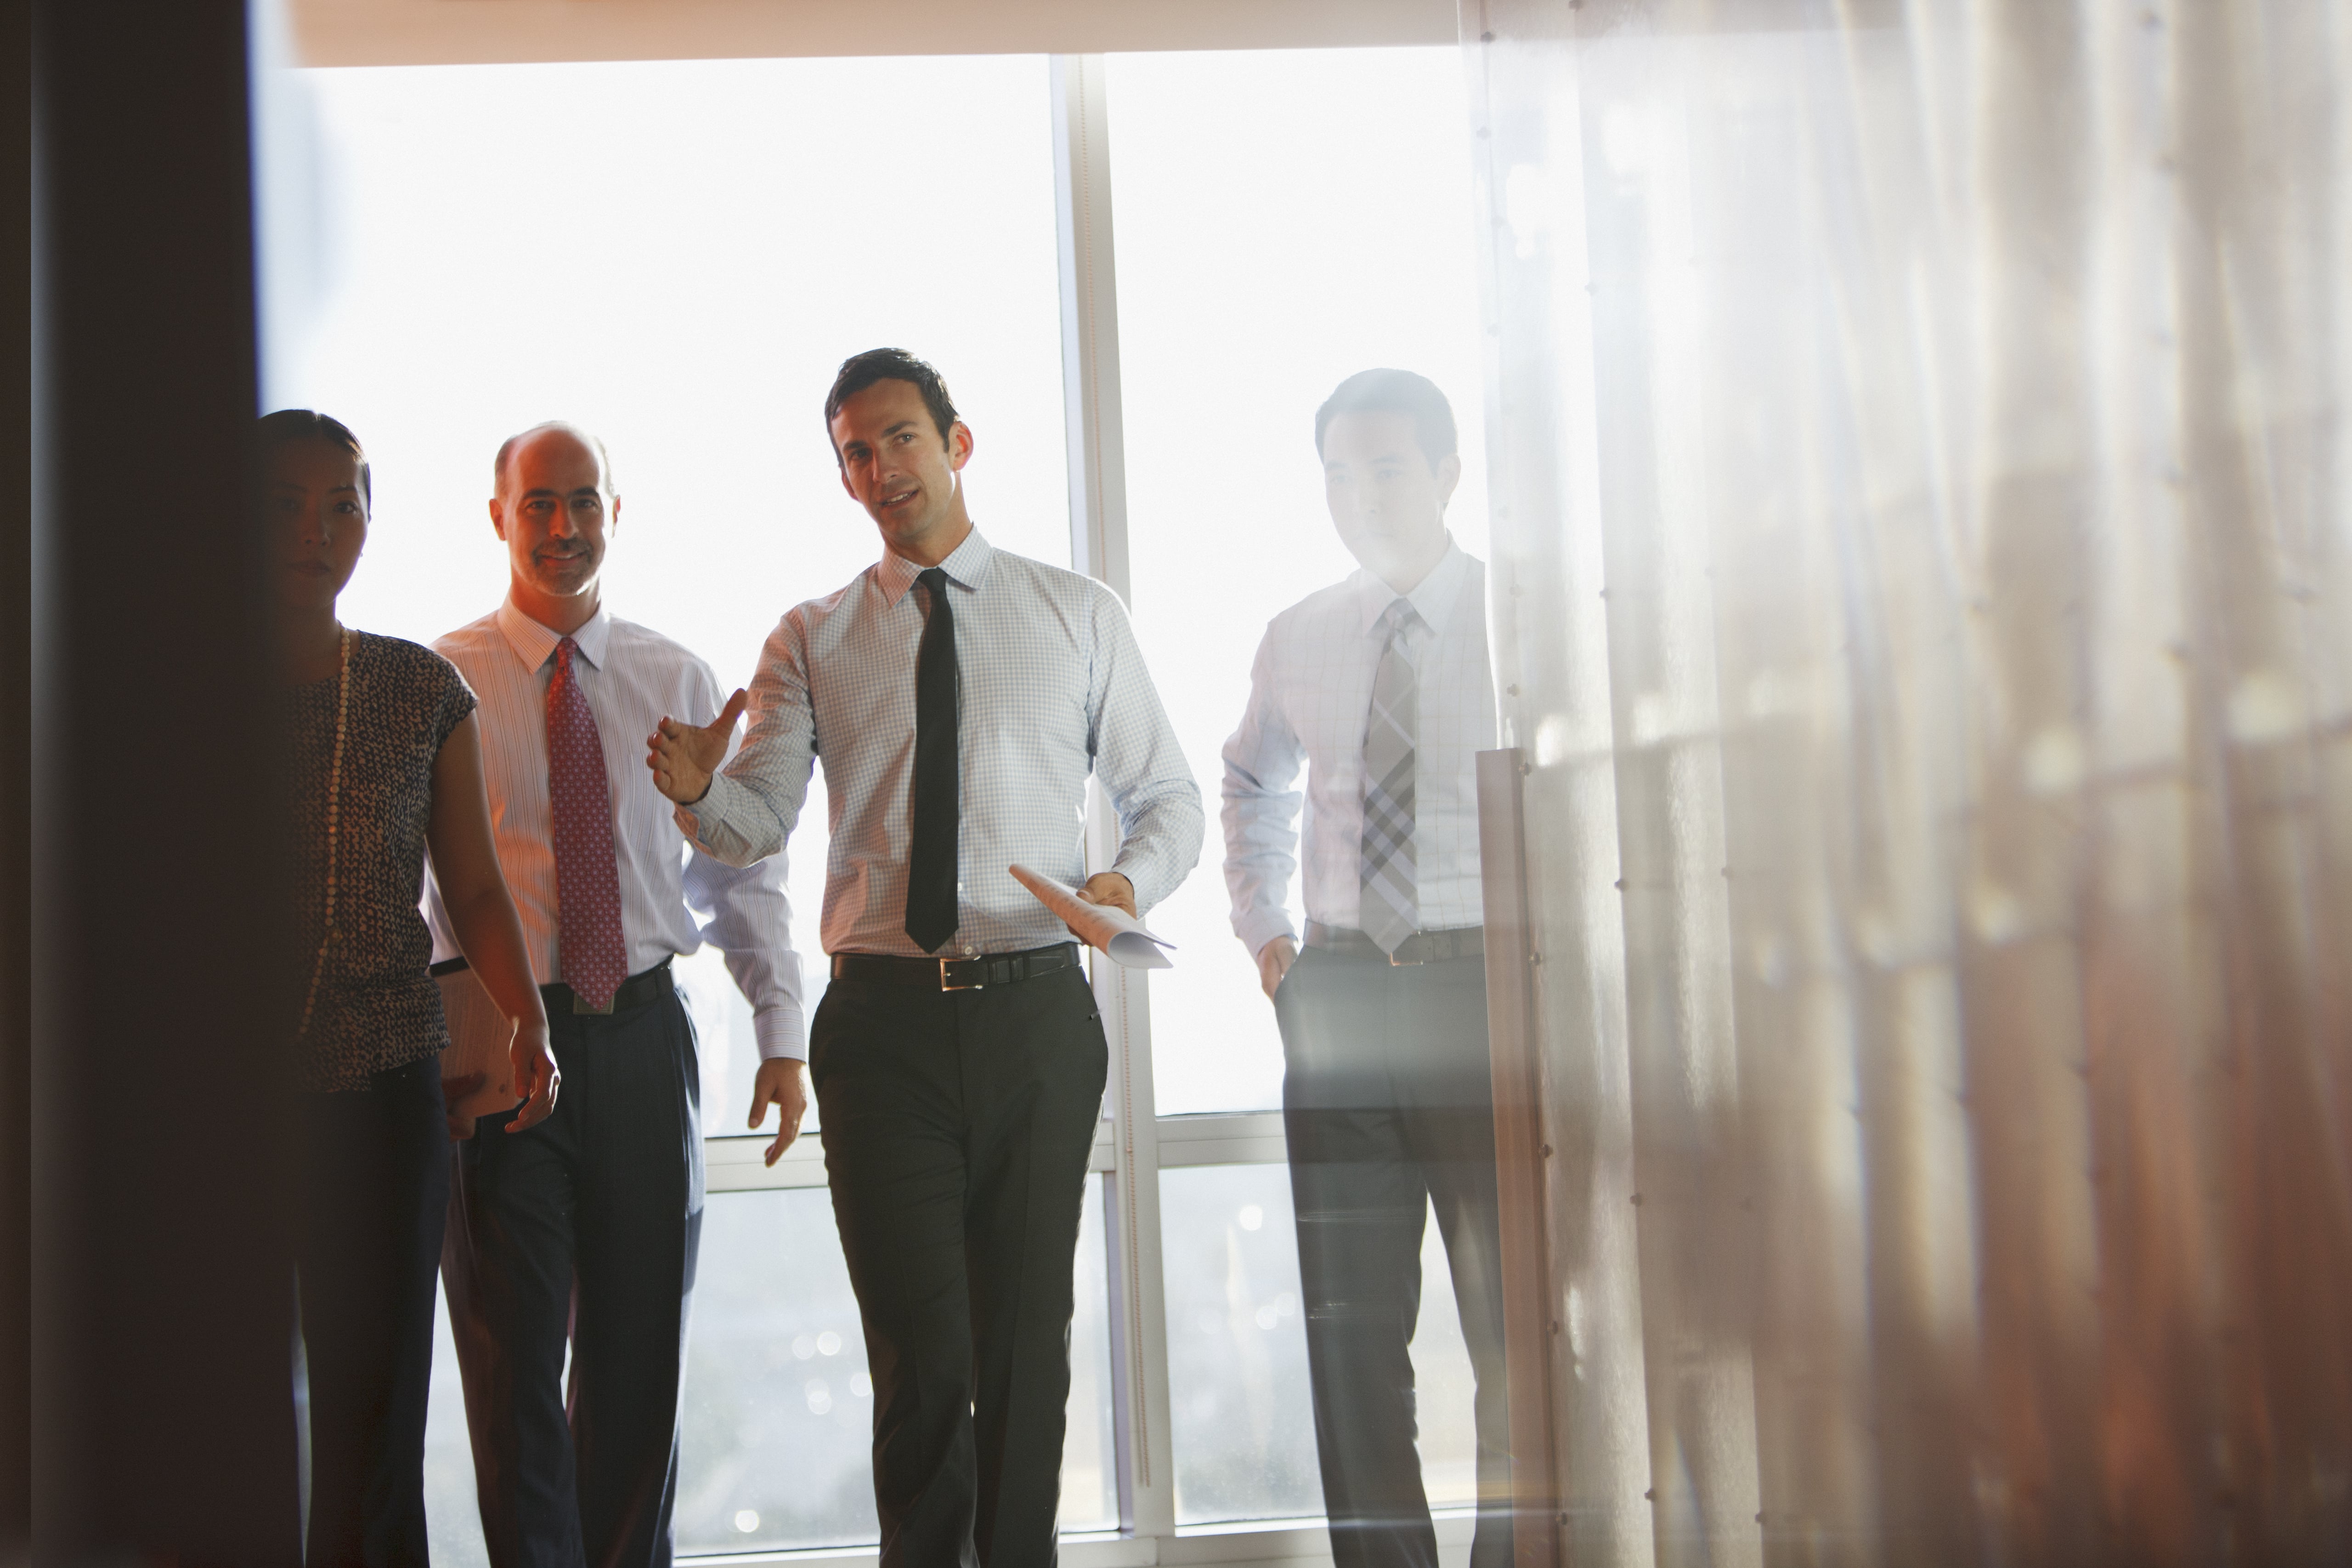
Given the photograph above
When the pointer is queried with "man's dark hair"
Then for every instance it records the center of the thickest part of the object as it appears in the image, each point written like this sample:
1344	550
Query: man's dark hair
288	425
1395	392
859	372
506	449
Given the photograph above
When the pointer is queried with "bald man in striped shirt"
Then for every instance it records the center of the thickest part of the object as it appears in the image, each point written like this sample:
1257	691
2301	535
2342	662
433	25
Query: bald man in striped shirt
608	1191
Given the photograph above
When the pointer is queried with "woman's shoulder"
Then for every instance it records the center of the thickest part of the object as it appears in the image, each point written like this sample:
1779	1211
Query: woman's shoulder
409	667
400	657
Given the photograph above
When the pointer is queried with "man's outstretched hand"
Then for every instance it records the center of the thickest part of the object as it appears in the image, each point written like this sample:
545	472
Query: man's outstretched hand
683	757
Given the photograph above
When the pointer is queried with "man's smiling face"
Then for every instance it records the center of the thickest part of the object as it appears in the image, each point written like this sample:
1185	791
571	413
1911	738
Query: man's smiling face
555	510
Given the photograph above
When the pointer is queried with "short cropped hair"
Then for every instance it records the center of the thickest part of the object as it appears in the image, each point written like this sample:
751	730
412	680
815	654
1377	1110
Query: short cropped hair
1395	392
859	372
507	448
288	425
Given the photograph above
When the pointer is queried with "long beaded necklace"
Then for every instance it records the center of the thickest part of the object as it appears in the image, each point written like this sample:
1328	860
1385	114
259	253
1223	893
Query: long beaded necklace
334	811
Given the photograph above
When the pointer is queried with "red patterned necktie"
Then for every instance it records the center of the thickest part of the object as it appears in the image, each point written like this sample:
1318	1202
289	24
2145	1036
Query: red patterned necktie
594	959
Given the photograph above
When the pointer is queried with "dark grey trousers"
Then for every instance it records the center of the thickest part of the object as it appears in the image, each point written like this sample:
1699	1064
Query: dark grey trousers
956	1131
375	1187
1388	1108
586	1227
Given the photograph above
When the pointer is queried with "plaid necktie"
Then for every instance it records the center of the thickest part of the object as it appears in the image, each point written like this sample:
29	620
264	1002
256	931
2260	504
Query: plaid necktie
592	955
1391	910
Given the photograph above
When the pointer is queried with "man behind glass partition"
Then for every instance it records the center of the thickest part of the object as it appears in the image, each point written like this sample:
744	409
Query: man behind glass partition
960	696
1380	686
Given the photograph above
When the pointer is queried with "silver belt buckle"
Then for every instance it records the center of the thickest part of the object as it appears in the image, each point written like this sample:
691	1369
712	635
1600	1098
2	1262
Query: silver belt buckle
979	984
1398	961
581	1005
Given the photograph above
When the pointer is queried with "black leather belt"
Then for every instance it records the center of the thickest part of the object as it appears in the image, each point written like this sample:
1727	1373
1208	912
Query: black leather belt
649	986
1421	947
956	974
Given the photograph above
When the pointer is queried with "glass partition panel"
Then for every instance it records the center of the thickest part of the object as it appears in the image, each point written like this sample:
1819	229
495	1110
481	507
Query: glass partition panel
1315	224
677	255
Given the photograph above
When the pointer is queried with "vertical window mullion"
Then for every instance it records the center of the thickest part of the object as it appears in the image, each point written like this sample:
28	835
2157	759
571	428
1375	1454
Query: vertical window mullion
1090	390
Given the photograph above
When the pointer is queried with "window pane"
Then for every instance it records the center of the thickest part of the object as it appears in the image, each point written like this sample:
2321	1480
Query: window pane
1318	223
779	1409
453	1521
1243	1427
677	255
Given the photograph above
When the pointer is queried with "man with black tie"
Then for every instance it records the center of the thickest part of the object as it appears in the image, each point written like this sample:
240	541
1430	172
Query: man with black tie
587	1228
960	695
1379	686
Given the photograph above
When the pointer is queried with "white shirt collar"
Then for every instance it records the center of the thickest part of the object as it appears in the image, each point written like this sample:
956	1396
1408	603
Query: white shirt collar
1433	598
966	566
532	643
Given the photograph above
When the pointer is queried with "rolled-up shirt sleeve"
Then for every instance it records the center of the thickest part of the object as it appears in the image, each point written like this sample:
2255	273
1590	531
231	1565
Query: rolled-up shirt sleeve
755	798
1139	763
1261	811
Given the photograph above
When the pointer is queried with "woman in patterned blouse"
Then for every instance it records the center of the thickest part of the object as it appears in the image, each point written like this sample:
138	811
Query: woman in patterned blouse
384	762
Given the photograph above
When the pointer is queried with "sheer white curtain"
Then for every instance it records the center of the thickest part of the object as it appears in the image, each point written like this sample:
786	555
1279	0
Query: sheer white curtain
1924	600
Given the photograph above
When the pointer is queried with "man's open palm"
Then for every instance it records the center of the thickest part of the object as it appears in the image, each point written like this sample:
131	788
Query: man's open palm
683	757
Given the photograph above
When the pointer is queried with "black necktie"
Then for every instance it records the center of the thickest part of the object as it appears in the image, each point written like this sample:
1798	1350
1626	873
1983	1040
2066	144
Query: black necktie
931	861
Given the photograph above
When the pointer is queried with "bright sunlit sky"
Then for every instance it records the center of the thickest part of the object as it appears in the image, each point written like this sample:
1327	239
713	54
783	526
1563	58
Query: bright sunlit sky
678	255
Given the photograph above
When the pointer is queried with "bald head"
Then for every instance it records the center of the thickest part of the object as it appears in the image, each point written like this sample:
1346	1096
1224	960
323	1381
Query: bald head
555	511
563	428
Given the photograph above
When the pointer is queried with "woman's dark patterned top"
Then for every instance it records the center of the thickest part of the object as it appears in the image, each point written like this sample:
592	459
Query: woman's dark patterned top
378	1007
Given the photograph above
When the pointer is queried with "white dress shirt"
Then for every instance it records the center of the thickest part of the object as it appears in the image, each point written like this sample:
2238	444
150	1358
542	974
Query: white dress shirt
672	899
1310	690
1052	687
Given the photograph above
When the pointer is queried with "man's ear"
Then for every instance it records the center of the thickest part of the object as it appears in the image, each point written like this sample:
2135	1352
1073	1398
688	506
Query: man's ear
848	488
959	445
612	517
1449	475
497	518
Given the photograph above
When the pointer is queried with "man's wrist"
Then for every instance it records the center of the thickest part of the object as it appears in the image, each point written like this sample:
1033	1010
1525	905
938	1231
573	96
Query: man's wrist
1259	926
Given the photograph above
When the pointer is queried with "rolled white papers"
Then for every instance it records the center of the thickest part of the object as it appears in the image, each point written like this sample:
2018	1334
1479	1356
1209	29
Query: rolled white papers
1103	926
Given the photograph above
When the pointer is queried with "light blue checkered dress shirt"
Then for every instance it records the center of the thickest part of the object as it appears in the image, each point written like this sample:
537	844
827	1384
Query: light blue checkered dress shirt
1052	688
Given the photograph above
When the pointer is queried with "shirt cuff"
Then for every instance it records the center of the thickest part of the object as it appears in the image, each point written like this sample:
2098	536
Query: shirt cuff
1136	862
707	822
1262	926
781	1032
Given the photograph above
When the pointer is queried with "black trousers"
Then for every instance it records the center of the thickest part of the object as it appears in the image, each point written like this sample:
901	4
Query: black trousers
587	1224
957	1127
1388	1107
375	1187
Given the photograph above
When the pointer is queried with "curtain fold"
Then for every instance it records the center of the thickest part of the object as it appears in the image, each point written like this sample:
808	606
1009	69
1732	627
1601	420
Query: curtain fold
1917	449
